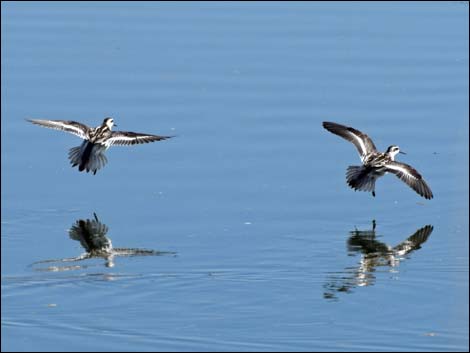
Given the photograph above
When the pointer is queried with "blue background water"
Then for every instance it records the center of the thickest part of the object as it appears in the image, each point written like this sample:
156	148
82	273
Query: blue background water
251	194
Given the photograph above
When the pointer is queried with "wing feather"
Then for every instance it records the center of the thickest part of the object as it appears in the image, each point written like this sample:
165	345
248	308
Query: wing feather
124	138
362	142
73	127
411	177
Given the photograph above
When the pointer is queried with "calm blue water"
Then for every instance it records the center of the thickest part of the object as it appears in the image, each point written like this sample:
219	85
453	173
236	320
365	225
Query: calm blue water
273	250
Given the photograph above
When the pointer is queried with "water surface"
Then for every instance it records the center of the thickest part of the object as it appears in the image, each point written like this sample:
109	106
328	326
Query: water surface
272	250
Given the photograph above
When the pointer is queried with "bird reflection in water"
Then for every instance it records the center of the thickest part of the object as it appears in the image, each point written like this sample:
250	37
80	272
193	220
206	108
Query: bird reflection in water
374	254
91	234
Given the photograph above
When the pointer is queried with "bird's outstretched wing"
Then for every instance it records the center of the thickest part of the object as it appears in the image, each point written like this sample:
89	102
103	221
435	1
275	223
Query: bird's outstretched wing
414	241
73	127
411	177
123	138
362	142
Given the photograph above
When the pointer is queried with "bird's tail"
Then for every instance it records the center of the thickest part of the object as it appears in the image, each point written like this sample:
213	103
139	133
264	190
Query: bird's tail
75	156
88	156
361	178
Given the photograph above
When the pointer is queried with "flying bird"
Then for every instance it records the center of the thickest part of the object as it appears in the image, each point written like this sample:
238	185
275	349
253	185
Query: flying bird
375	164
89	156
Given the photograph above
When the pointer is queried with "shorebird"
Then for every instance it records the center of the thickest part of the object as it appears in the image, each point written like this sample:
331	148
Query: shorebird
376	164
89	155
91	233
375	257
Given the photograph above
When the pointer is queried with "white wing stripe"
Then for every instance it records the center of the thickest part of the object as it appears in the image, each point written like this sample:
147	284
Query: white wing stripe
401	169
131	138
77	130
61	125
361	144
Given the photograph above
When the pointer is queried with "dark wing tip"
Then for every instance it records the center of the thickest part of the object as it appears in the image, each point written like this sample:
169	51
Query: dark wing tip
329	125
153	138
334	128
341	130
423	189
428	194
412	178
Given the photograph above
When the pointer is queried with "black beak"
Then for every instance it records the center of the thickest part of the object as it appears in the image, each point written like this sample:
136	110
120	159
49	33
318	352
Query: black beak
402	152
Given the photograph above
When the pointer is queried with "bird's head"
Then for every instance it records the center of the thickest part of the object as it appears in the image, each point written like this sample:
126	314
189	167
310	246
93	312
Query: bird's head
393	150
109	122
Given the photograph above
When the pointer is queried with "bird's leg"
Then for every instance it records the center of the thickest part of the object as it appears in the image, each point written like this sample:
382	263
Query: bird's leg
373	193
